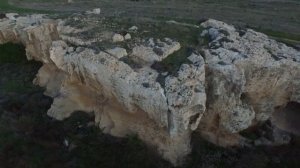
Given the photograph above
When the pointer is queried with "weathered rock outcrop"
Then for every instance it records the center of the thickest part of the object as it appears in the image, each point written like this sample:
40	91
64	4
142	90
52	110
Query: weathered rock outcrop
248	77
237	81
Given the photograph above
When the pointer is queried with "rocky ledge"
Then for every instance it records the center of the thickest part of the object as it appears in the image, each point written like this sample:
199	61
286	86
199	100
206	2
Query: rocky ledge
234	81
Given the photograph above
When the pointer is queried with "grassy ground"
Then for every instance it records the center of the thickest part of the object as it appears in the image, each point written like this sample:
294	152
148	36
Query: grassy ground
279	19
12	53
279	15
6	7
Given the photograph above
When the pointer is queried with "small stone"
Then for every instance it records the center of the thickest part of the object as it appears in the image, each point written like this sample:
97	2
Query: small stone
79	49
71	49
12	16
168	41
194	58
117	52
66	142
133	28
151	42
204	33
97	11
127	36
165	73
117	38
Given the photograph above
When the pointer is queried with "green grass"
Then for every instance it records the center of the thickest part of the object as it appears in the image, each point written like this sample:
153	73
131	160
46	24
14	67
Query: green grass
278	34
6	7
289	39
173	62
18	86
12	53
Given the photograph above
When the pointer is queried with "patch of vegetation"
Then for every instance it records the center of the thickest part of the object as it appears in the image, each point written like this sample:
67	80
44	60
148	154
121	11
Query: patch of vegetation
6	7
173	62
18	73
278	34
34	140
288	42
185	34
16	86
12	53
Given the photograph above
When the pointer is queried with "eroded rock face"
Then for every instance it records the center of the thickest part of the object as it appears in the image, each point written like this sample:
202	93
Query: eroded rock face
236	83
248	76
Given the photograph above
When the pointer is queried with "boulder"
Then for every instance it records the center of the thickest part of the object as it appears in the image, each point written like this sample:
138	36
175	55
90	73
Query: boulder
248	76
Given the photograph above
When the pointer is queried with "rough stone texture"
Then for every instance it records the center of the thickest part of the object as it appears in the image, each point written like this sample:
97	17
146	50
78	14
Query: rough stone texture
117	38
127	36
186	95
248	76
124	101
12	16
157	50
117	52
235	83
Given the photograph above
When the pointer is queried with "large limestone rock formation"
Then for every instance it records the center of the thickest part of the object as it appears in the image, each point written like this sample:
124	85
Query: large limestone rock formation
248	77
237	81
